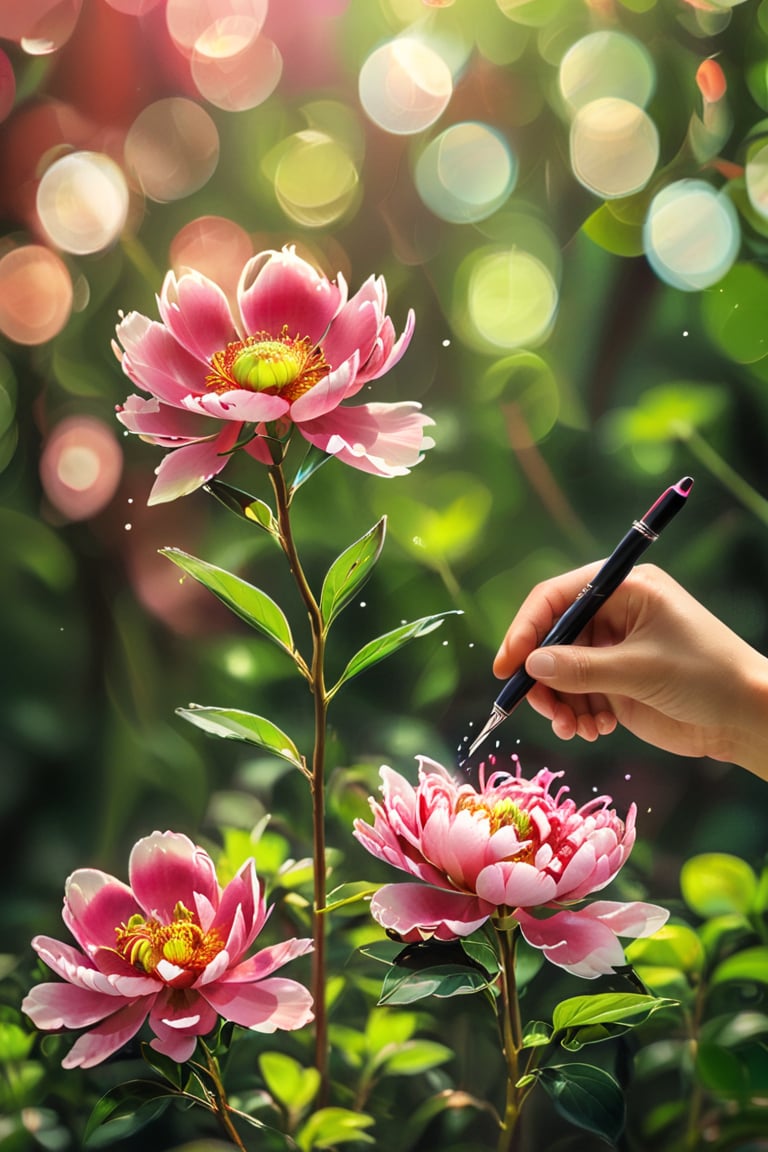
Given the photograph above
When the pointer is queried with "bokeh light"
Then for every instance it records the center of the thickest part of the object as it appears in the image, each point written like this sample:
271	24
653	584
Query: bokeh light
606	64
405	86
80	467
511	298
189	21
173	148
614	147
35	294
756	178
82	202
39	26
7	85
691	235
233	66
466	173
217	247
316	181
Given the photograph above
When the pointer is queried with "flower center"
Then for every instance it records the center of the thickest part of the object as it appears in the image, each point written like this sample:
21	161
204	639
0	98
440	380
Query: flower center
500	815
144	943
287	366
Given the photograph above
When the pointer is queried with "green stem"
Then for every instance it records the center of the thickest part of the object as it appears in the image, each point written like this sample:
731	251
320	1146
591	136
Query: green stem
511	1033
728	477
317	779
221	1104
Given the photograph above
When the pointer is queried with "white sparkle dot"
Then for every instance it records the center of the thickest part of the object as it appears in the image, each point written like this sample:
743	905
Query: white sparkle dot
685	333
446	343
128	527
362	603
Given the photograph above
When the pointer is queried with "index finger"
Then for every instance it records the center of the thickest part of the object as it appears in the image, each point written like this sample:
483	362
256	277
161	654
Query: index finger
543	605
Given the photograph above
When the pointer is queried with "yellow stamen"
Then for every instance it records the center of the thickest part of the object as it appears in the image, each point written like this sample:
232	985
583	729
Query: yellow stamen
287	366
144	943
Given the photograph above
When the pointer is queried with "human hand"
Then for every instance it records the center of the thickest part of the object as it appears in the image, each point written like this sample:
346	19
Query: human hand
654	660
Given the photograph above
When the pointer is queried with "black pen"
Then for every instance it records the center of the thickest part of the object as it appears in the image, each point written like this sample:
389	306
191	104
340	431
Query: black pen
575	618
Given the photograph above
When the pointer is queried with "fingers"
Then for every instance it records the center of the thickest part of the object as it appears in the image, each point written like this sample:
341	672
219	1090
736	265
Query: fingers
542	607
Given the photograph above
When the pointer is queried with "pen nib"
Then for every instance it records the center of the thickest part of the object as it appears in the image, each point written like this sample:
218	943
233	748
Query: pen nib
492	722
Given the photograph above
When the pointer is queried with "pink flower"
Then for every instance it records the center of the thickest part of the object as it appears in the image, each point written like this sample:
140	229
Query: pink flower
170	947
296	350
510	849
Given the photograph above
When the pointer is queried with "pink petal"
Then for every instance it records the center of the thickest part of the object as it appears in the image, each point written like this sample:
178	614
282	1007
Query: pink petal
197	313
268	960
238	404
94	905
386	352
186	469
634	918
434	911
106	1038
155	361
241	904
327	394
515	883
116	978
577	942
162	424
279	289
264	1006
177	1019
355	327
386	439
67	1006
167	868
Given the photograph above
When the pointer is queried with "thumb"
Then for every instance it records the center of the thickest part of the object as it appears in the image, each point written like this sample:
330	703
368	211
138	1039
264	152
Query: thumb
579	669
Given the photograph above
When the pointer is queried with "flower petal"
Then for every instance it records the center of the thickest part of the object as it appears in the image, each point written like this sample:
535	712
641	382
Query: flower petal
104	971
62	1005
386	439
513	883
196	311
635	918
327	394
280	290
356	326
263	1006
163	424
437	912
95	903
106	1038
238	404
268	960
584	942
155	361
166	869
186	469
387	351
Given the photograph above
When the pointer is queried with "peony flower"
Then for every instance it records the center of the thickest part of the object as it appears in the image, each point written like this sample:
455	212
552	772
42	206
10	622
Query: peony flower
170	947
510	850
296	350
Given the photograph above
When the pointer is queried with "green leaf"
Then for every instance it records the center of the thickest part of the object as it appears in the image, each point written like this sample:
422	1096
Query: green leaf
587	1096
536	1034
232	724
350	893
169	1069
15	1043
716	883
349	571
413	1057
390	642
331	1126
246	601
751	965
289	1083
124	1110
672	946
721	1071
482	953
442	980
607	1008
314	459
245	506
614	235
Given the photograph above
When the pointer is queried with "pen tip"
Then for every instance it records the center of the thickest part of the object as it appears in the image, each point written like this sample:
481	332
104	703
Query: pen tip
684	486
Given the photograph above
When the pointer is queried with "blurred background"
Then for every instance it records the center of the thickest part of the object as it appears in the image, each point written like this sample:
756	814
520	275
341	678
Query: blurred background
571	194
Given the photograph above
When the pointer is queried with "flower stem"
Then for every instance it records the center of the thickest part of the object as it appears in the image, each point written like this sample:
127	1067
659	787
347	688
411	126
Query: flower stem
728	476
317	778
220	1102
511	1033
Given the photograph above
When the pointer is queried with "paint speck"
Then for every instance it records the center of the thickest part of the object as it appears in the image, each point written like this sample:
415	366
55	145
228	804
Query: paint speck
363	604
470	645
594	787
128	527
685	332
446	343
471	723
517	742
130	499
627	775
445	643
649	809
417	540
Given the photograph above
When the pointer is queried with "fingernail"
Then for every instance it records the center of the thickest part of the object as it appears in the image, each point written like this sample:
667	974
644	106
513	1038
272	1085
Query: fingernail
540	665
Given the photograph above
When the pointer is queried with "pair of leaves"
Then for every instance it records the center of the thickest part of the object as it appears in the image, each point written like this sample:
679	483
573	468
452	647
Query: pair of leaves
584	1020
